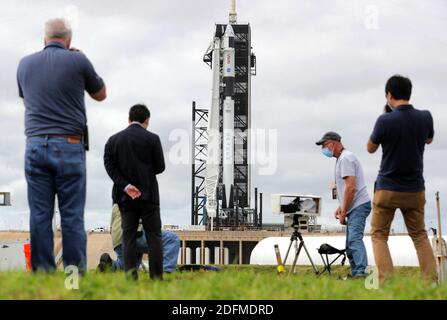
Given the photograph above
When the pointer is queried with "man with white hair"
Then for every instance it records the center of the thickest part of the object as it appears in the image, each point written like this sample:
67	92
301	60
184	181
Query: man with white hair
52	84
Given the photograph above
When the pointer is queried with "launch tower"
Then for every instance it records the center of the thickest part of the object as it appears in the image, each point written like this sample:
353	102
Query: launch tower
221	184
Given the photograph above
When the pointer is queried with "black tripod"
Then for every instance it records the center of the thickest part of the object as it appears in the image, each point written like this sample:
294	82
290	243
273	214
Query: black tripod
296	235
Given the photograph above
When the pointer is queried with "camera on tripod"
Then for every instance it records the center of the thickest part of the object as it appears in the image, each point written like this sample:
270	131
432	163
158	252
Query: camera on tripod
304	205
297	209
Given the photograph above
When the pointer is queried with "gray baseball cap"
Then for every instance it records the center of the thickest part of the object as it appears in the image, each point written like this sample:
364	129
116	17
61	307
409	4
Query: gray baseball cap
328	136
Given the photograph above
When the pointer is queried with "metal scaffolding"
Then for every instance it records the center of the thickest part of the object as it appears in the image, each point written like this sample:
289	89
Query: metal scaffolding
241	216
198	153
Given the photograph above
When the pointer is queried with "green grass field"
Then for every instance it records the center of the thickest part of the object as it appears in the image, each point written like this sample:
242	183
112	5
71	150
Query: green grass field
234	282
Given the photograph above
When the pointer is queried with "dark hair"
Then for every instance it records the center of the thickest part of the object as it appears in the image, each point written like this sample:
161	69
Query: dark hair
139	112
399	87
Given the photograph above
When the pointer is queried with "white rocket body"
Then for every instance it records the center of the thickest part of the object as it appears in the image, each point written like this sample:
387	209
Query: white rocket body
213	150
228	113
223	50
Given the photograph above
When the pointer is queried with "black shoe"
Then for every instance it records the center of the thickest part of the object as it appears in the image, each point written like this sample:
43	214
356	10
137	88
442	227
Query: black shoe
105	263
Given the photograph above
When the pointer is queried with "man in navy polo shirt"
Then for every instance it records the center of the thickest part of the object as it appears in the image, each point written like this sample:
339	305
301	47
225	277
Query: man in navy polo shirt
52	84
403	132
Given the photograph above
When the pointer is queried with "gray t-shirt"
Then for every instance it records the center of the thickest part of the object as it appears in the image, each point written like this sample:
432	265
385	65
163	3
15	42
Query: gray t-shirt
348	165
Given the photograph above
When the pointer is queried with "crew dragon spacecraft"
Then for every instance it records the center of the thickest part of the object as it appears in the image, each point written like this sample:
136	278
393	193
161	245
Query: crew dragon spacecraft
221	179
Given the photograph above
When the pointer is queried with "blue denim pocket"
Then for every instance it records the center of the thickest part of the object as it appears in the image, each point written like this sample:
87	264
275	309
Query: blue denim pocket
32	159
72	158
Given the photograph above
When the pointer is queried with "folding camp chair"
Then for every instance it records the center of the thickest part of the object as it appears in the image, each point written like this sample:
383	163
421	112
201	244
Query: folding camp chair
325	251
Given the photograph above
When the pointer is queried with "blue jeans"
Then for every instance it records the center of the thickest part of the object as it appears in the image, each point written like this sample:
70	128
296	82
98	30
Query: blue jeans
171	246
55	167
355	248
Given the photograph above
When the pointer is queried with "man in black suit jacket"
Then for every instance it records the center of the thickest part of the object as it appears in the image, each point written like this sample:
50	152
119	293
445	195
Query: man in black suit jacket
132	158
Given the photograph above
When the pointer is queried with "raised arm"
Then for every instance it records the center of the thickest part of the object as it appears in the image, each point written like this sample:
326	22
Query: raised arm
372	147
431	133
94	84
99	95
377	136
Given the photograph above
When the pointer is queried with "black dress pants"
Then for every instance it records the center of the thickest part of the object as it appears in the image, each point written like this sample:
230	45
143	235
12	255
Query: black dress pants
131	213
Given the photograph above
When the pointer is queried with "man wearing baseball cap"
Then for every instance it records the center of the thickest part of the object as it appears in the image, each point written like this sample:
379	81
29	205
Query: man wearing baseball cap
355	203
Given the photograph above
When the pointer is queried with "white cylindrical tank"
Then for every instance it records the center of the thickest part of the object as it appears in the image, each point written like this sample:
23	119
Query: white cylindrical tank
402	250
188	255
207	255
199	254
226	258
216	255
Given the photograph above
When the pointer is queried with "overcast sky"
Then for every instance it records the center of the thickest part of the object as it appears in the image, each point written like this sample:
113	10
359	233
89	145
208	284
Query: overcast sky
322	65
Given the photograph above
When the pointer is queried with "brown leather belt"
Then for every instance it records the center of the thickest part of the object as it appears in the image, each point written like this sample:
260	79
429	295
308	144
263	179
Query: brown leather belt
71	138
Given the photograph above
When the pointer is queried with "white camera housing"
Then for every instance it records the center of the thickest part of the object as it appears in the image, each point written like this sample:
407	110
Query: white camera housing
305	205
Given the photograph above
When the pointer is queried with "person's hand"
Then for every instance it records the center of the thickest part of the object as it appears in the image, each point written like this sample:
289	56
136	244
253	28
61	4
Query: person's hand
342	217
337	213
133	192
387	109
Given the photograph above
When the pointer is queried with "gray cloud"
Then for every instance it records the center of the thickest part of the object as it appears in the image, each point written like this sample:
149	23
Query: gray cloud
319	69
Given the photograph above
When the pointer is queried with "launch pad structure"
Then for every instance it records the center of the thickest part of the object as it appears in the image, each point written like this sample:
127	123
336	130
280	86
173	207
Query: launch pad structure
221	177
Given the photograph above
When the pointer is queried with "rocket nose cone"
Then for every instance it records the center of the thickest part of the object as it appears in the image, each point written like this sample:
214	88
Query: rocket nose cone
229	32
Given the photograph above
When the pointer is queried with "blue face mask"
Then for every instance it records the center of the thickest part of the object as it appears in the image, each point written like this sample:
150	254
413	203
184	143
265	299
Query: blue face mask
327	152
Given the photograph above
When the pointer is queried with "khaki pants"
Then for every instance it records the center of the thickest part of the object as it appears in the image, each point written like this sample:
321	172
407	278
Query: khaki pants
412	206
